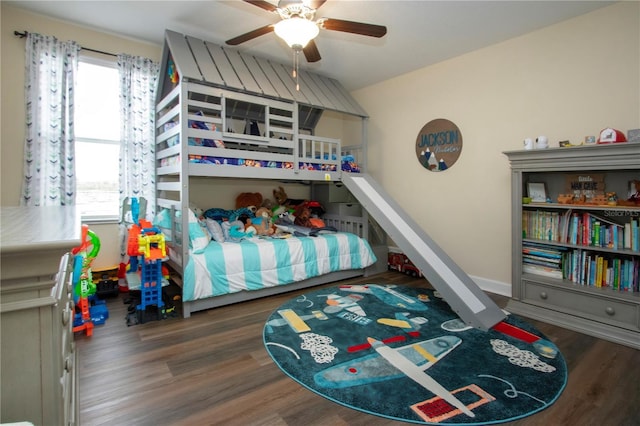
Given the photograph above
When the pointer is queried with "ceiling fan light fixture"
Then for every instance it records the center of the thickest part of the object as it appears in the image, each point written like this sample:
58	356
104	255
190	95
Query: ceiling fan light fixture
296	31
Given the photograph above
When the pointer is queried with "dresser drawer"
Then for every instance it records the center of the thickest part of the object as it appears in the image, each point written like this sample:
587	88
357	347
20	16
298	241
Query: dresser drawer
68	383
598	308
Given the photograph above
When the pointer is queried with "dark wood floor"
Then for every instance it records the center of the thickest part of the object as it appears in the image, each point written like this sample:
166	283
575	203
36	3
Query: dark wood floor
212	369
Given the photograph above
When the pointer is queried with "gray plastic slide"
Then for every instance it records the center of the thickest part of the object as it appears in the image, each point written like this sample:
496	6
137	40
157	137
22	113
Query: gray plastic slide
471	304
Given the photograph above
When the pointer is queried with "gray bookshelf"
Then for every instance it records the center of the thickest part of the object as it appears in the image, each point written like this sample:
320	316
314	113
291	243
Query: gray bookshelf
603	312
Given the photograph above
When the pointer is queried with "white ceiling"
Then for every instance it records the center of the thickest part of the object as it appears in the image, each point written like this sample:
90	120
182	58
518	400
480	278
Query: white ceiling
420	33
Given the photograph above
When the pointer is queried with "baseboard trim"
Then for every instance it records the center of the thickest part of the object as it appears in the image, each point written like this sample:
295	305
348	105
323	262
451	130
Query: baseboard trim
492	286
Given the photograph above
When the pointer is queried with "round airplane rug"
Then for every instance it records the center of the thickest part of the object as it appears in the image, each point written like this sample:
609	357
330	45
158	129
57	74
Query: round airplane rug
403	354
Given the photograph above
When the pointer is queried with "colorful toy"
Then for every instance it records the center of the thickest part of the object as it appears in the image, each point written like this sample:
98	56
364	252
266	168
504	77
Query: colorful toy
133	210
151	247
84	287
172	72
146	249
399	261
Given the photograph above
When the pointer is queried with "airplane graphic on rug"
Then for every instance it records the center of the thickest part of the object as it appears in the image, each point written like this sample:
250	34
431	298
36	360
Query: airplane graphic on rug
389	296
392	363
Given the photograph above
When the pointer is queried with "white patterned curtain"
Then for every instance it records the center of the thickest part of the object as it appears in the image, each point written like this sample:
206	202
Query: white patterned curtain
138	81
50	72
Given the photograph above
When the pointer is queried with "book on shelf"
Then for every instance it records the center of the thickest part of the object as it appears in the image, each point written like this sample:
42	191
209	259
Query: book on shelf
584	228
608	270
542	259
542	270
541	252
542	262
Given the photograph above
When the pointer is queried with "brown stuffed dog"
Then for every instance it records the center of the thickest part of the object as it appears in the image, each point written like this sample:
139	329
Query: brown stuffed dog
248	199
282	199
303	216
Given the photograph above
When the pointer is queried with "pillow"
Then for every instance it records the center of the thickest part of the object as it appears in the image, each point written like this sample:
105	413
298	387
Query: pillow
198	238
163	219
215	230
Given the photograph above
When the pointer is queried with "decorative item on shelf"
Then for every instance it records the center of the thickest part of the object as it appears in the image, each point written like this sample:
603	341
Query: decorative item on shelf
610	135
612	199
633	135
599	200
589	140
565	198
633	199
586	188
537	192
567	143
542	142
528	144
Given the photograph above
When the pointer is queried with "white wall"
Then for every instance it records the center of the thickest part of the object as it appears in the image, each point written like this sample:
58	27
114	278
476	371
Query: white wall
565	81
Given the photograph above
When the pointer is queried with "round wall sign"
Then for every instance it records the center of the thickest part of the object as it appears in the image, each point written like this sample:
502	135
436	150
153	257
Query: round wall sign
438	145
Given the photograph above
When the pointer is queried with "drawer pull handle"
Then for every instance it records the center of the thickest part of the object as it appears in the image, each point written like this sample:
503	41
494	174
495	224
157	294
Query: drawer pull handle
68	365
66	314
543	295
610	311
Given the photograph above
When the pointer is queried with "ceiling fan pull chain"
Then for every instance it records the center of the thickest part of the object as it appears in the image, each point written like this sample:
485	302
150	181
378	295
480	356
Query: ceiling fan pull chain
296	62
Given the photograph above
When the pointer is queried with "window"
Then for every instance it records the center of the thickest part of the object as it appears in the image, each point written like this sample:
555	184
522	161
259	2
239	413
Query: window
97	132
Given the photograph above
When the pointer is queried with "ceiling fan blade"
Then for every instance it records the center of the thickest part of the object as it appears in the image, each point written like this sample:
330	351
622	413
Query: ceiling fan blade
361	28
315	4
250	35
263	5
311	52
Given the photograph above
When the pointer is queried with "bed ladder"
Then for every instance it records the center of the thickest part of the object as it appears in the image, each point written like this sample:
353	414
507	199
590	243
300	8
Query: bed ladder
464	296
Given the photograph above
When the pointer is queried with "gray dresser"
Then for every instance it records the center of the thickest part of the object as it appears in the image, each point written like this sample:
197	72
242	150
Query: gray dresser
38	358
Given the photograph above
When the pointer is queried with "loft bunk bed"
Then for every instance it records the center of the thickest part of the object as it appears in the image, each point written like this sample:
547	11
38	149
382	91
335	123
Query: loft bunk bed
227	115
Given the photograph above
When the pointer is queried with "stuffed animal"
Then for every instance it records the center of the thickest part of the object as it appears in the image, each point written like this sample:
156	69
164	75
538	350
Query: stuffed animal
277	211
262	222
235	231
248	199
302	214
197	211
282	199
316	222
316	208
267	203
222	214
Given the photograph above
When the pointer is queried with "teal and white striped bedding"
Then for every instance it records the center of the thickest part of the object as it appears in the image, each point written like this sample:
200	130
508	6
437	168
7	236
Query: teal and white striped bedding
223	268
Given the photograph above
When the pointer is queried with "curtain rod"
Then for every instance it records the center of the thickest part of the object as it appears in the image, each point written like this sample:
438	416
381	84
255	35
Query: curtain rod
25	33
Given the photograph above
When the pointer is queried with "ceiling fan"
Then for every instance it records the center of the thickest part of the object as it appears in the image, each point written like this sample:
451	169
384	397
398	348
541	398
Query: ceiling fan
298	28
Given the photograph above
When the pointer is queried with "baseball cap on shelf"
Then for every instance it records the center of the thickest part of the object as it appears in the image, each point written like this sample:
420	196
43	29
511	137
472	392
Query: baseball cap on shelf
610	135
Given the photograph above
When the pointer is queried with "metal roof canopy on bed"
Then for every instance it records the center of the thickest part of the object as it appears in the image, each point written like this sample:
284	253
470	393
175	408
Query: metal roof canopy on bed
227	68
